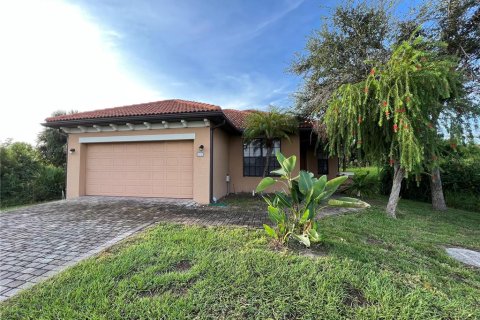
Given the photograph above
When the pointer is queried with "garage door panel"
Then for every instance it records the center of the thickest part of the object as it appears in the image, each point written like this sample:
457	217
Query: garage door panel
159	176
143	169
138	190
134	175
159	188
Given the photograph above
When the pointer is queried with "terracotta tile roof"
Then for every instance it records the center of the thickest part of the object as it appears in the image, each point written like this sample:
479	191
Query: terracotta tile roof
143	109
237	117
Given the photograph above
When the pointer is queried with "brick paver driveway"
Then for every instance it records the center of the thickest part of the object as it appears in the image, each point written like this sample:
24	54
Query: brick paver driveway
38	241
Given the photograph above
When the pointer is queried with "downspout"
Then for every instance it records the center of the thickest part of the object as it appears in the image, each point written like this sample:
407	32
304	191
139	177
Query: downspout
212	129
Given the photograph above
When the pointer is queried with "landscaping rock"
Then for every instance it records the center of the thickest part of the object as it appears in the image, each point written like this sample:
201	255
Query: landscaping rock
466	256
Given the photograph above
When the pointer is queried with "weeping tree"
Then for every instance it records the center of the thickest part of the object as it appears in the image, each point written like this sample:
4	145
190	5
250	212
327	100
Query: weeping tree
389	114
268	127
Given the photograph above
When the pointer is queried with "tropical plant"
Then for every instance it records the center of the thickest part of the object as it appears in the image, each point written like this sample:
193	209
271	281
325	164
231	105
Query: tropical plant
362	185
268	127
294	210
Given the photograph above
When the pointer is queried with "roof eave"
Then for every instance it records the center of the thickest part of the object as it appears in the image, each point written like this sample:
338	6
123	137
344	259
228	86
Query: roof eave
140	118
211	115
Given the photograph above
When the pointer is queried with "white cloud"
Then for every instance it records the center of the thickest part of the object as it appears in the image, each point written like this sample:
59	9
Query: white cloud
54	56
248	91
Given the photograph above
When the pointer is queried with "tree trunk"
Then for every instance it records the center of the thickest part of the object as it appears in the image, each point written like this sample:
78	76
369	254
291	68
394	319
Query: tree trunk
344	162
438	200
267	161
398	174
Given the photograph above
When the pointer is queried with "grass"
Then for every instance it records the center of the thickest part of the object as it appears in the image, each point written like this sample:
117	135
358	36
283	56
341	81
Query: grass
18	206
456	199
372	170
369	266
463	200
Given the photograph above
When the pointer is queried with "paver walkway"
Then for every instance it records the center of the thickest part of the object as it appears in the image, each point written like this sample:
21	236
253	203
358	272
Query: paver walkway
39	241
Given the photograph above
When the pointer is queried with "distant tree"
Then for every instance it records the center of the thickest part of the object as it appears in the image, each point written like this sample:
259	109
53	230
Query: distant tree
457	23
339	53
389	114
52	144
269	126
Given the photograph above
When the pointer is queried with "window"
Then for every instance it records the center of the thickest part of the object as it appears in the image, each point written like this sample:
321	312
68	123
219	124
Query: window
322	166
254	158
322	163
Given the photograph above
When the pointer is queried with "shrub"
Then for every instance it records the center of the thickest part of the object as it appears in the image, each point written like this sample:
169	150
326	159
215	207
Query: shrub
362	185
49	183
25	178
294	213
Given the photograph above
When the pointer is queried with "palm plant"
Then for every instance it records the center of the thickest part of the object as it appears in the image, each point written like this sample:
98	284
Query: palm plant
269	126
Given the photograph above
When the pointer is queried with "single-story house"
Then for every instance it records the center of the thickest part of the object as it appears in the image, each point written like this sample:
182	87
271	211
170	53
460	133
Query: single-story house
172	148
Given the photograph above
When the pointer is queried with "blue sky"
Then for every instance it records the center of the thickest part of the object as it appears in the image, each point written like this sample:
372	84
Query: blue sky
88	54
231	53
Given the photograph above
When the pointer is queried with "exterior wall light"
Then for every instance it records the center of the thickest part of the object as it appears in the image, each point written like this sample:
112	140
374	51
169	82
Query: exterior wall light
200	151
72	150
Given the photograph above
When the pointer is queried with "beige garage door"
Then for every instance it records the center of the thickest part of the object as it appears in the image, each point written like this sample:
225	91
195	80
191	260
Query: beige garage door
140	169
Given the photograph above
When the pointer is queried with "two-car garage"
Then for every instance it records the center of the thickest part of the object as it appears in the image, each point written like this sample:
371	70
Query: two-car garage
140	169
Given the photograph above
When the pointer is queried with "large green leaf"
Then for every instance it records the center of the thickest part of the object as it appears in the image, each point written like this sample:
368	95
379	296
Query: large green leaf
295	193
308	196
314	236
305	216
311	209
302	238
274	214
319	186
265	183
332	186
280	172
305	182
270	231
280	158
283	199
289	164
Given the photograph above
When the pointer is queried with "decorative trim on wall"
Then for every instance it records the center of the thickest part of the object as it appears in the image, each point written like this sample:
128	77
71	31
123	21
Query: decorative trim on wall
137	138
138	127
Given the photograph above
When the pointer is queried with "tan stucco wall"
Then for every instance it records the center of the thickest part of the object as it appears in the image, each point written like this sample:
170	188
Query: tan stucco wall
312	164
220	163
248	184
201	165
239	183
332	167
228	158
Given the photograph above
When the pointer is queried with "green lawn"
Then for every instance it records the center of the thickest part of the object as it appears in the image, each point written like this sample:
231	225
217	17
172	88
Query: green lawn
19	206
368	267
